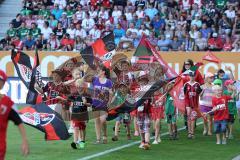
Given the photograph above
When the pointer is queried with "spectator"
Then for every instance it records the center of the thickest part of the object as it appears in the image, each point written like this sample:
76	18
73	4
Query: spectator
147	22
227	45
236	47
11	32
143	30
116	14
215	43
126	41
197	21
201	42
46	30
79	44
205	31
80	32
44	12
53	22
164	43
71	31
194	32
93	13
118	33
95	33
40	43
158	23
40	22
236	26
123	21
132	28
88	23
80	14
23	31
17	22
171	22
29	43
128	14
57	12
188	43
150	11
29	20
168	31
103	13
136	39
34	31
64	20
61	3
59	31
152	39
230	12
176	44
67	44
53	43
225	24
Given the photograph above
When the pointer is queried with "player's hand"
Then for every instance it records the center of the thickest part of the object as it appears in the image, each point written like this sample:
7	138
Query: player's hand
25	148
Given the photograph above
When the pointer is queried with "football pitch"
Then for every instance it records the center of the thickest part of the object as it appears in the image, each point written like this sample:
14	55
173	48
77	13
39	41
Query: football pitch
202	147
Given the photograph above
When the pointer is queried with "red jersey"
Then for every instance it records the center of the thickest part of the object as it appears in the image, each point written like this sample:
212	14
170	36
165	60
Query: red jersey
191	92
53	91
221	114
5	107
198	78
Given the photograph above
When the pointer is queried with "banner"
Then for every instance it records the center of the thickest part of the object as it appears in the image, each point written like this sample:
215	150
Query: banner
51	60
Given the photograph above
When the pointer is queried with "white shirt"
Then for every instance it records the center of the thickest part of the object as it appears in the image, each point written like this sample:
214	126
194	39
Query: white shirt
88	24
116	15
95	33
93	14
61	3
140	14
132	30
104	14
80	15
40	23
129	16
146	32
46	32
71	32
82	33
230	14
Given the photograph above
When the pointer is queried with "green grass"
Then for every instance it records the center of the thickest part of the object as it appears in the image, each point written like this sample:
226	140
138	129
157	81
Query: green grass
203	147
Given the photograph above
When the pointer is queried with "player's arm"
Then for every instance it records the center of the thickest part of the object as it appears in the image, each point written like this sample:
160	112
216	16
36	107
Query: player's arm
13	116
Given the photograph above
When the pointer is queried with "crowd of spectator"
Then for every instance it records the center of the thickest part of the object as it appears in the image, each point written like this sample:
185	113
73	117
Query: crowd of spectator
170	25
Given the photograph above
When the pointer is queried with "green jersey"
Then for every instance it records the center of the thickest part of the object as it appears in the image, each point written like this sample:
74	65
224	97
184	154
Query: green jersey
25	12
35	32
11	32
169	106
44	12
232	108
23	32
69	13
221	3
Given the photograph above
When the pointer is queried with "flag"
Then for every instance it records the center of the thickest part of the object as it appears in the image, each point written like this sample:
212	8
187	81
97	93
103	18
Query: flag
145	49
102	49
23	66
43	118
33	97
209	56
177	94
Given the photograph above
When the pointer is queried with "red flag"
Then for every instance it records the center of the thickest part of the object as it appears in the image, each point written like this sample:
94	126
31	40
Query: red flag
211	57
178	95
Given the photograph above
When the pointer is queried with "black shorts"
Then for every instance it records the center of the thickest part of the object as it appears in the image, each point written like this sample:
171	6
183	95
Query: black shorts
231	118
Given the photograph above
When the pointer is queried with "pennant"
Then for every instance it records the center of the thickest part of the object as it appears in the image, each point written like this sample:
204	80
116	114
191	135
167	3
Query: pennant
43	118
210	57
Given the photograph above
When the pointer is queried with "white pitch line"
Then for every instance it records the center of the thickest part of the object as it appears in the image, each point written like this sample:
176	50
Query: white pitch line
236	158
124	146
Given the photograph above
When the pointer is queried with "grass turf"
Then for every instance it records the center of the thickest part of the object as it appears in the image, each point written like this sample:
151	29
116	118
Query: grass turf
203	147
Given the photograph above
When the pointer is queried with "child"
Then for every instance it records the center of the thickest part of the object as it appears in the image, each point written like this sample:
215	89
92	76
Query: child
79	105
221	114
170	112
119	98
206	102
8	113
192	90
232	109
157	113
143	115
